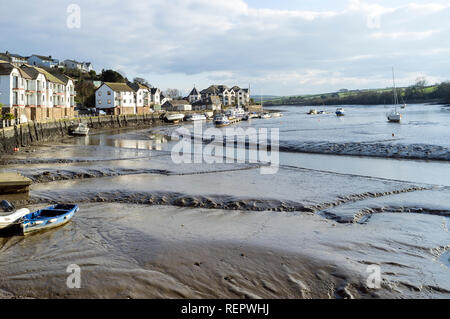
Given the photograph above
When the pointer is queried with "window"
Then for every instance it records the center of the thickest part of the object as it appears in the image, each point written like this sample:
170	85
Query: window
109	101
99	93
109	92
99	101
51	98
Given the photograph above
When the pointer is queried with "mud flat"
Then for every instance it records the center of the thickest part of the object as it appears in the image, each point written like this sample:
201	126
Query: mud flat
168	252
148	228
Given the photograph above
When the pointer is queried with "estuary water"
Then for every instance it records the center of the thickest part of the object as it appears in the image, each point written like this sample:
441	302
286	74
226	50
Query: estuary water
349	193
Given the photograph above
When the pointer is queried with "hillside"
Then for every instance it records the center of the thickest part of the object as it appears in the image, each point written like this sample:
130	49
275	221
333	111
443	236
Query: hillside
412	94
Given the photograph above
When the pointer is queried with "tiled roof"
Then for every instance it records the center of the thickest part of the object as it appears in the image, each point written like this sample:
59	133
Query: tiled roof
179	102
50	77
6	68
119	87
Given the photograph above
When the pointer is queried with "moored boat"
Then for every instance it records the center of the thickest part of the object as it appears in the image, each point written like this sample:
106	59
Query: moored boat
175	118
10	215
394	116
50	217
81	129
276	114
312	112
196	117
340	111
265	116
221	120
209	115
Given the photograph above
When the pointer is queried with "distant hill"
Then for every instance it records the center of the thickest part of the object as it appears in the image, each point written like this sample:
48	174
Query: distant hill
257	98
411	94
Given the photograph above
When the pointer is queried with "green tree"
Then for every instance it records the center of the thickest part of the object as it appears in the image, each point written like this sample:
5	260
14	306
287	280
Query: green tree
112	76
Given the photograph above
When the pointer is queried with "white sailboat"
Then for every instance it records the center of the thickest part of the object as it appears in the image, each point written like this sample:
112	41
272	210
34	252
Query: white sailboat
394	116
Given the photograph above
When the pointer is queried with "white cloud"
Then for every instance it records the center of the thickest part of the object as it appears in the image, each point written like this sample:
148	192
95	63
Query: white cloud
180	42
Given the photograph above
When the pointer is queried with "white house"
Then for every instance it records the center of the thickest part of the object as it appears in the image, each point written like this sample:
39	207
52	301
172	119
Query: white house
156	96
177	105
13	58
234	96
141	94
194	96
43	61
75	65
31	93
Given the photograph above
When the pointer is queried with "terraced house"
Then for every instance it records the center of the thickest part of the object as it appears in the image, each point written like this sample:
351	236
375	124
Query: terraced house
234	96
32	93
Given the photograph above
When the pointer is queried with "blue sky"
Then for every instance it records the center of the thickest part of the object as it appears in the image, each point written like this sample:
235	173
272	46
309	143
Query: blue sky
278	47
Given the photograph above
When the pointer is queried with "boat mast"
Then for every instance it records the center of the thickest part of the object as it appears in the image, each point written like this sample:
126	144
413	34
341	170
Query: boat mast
395	90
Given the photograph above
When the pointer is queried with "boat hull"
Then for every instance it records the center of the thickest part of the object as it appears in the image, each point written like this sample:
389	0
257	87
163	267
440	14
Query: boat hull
11	219
175	117
48	218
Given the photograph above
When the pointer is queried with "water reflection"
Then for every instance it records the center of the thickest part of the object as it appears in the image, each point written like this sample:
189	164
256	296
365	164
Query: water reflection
153	141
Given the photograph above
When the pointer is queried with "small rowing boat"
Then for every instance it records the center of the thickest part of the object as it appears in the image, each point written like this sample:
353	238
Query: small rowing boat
50	217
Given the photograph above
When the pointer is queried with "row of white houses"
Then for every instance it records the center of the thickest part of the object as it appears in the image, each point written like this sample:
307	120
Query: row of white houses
32	93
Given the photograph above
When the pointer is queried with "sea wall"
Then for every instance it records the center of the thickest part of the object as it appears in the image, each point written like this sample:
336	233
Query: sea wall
30	133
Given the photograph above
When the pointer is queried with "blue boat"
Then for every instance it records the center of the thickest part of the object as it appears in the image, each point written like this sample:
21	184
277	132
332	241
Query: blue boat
340	112
50	217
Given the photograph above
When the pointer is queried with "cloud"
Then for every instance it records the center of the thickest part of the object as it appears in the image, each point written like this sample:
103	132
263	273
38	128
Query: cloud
180	42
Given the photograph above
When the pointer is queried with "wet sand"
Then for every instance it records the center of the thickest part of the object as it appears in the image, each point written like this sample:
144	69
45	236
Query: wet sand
150	229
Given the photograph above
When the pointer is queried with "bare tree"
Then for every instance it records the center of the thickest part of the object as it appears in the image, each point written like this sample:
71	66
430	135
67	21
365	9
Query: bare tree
173	93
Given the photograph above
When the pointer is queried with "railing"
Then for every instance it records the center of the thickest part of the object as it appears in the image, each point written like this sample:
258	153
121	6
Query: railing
8	123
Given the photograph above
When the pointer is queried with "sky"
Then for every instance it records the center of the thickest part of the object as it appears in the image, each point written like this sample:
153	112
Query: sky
278	47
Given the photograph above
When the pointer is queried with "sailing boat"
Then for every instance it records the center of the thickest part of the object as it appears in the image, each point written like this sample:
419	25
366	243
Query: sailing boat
394	116
263	115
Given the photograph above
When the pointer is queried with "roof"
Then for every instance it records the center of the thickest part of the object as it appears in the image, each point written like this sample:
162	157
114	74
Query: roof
62	77
236	88
6	68
44	58
194	92
8	55
50	77
212	100
154	90
73	61
215	89
137	86
119	87
32	72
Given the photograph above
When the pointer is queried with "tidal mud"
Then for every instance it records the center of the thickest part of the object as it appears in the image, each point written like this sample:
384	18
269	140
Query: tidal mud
150	228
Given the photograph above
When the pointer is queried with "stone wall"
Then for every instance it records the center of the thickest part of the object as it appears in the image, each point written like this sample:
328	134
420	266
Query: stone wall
37	132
